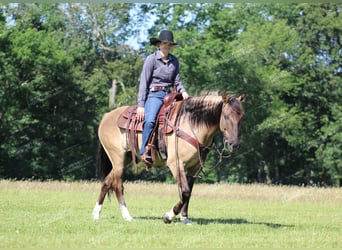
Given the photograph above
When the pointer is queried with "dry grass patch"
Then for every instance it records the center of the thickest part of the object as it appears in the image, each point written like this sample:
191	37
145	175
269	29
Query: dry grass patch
257	192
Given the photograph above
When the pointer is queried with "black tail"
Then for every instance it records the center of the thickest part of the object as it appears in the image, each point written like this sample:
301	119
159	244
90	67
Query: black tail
104	166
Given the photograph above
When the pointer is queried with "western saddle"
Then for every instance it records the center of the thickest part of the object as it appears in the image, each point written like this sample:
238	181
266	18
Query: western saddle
165	124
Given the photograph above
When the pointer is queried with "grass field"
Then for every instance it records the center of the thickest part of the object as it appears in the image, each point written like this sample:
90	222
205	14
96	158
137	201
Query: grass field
58	215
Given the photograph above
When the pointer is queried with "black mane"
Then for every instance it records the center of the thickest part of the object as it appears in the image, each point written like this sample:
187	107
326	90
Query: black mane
204	110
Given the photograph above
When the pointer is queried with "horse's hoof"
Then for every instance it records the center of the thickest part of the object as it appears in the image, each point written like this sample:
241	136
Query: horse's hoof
187	221
125	213
129	219
96	211
166	219
96	217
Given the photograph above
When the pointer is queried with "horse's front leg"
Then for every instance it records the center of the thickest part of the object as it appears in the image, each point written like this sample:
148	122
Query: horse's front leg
186	184
184	210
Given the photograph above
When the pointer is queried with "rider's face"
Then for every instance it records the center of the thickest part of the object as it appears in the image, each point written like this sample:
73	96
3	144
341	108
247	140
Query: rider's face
165	47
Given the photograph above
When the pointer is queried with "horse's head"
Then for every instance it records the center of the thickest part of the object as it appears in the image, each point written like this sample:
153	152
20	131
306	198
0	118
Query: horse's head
231	116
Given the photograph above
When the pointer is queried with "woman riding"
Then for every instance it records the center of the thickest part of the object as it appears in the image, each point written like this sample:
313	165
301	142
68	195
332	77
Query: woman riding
160	73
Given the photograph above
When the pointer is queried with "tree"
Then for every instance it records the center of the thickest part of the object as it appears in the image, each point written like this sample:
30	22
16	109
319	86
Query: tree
287	58
48	101
49	114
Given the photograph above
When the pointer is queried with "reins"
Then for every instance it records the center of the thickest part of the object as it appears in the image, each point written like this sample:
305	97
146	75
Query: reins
202	149
221	155
193	141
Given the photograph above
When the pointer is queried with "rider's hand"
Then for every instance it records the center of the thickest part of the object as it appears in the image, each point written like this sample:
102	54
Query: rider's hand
140	113
185	95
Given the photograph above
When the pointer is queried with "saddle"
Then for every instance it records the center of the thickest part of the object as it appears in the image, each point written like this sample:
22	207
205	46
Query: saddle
165	124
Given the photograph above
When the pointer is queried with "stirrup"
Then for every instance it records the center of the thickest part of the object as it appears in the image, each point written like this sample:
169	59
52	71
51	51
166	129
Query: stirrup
147	160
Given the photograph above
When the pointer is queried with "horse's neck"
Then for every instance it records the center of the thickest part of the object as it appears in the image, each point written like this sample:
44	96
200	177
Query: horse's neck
202	122
203	134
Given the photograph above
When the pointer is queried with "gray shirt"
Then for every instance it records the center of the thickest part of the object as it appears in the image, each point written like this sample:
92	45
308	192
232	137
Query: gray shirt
155	72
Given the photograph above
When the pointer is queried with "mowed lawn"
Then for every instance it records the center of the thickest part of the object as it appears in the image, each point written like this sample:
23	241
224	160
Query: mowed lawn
58	215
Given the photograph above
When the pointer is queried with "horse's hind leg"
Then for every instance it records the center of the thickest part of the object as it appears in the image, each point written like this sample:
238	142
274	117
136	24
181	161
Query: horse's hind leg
106	186
113	182
118	188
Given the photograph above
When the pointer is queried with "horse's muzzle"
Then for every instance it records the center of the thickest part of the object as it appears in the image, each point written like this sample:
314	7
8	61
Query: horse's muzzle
231	145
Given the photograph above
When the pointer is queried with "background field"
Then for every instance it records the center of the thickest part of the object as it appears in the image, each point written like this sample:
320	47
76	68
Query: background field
58	214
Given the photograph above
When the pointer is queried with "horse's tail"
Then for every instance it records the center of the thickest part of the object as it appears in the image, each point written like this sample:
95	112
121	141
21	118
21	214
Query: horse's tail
104	166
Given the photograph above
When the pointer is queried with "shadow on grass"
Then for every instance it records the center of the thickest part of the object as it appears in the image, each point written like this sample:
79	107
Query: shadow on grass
202	221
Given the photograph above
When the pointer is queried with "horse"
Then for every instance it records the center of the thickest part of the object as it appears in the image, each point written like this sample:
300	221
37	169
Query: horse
199	119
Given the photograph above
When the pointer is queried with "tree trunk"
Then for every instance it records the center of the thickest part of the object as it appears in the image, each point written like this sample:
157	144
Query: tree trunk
112	93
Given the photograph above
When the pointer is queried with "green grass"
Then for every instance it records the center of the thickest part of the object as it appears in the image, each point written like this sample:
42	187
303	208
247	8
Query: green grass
58	215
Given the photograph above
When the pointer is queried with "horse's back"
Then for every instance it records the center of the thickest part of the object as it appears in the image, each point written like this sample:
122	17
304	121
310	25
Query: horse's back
111	117
108	128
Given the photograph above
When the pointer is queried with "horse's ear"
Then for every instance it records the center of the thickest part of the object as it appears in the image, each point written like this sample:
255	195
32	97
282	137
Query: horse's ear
242	97
224	96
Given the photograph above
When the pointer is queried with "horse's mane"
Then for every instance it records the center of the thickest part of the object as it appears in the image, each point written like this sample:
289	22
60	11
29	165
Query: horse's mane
202	110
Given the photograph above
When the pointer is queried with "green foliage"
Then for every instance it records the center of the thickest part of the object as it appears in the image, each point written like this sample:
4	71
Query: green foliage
58	61
287	59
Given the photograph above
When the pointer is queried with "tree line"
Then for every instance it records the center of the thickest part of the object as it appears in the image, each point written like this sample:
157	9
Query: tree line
59	62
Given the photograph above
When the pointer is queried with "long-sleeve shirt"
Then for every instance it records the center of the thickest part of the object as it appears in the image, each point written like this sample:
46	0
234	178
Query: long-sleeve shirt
156	72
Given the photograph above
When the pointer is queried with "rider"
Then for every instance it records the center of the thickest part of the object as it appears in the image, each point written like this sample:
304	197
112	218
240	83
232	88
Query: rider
160	72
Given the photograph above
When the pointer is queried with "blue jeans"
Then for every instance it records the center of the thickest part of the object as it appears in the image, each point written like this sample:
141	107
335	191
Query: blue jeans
152	106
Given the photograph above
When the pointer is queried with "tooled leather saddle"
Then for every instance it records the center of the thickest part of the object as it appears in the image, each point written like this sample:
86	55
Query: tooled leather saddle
165	124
